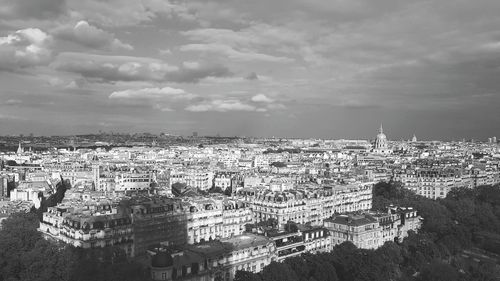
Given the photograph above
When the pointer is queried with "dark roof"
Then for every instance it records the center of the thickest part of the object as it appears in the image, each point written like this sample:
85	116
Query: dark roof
352	220
162	259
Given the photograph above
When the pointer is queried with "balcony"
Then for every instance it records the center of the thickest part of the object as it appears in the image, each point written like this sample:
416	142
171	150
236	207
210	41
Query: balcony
291	252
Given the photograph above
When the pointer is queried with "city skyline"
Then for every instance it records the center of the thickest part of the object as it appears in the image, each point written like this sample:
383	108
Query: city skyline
323	69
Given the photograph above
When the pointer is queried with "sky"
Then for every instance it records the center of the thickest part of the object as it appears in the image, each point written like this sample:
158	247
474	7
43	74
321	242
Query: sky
285	68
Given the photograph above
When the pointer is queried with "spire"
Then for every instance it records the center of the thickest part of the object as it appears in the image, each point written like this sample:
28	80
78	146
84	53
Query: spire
19	149
381	130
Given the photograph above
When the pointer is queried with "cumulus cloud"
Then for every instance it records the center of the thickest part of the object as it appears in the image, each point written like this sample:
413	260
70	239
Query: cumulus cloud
127	68
162	99
24	48
257	103
221	105
91	36
152	93
261	98
113	68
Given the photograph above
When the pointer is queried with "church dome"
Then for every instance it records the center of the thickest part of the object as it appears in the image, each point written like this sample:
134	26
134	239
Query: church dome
162	259
381	136
381	141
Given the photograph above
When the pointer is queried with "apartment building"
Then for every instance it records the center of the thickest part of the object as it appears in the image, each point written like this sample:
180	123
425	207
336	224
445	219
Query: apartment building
372	230
353	197
214	260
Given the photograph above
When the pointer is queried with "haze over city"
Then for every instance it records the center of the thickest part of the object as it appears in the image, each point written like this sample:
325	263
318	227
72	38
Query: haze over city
330	69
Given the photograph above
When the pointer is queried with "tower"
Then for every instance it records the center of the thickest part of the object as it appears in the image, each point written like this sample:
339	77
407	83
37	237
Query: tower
96	173
20	149
414	139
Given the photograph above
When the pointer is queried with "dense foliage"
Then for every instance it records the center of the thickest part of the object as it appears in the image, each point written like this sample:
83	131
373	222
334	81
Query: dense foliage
459	222
25	255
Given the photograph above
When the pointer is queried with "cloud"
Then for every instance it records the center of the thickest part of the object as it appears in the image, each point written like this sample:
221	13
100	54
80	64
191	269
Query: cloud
276	106
220	105
152	93
127	68
162	99
24	48
29	9
231	53
11	102
113	68
261	98
90	36
254	42
165	52
252	76
257	103
129	12
10	117
75	84
194	72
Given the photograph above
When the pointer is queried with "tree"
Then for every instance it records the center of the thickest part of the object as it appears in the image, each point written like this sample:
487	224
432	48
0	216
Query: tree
178	188
438	271
246	276
276	271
